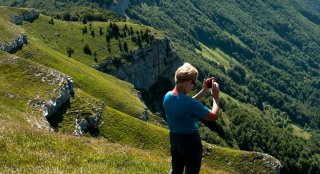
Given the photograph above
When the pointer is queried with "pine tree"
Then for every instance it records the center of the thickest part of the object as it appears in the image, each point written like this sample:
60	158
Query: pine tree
120	46
95	57
70	51
139	42
84	30
100	31
84	20
87	50
51	21
108	39
131	31
125	46
92	33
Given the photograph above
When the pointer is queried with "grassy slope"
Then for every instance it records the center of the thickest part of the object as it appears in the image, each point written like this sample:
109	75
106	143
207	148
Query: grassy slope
219	57
19	78
143	147
63	35
8	12
113	92
8	31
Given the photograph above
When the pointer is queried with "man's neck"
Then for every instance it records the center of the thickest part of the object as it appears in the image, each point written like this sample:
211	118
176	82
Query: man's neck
179	88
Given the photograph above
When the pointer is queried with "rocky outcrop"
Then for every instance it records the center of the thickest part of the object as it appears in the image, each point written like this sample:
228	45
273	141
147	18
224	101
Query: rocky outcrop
15	44
273	163
120	7
65	92
28	15
144	66
20	38
92	122
242	161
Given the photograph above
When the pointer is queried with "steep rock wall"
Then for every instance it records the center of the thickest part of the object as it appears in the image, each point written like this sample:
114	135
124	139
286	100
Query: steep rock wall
15	44
144	66
65	92
92	122
120	7
25	16
19	39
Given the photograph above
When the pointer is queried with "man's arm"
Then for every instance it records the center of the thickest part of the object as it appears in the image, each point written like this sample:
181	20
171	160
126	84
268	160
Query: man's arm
203	91
200	95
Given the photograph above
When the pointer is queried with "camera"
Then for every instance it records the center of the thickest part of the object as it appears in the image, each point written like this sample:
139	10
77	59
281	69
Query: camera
209	83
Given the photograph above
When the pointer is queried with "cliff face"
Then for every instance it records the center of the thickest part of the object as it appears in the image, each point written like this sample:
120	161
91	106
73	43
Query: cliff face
144	67
15	44
65	92
120	7
19	39
25	16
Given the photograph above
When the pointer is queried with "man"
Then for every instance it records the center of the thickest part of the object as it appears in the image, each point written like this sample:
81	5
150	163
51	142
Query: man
183	113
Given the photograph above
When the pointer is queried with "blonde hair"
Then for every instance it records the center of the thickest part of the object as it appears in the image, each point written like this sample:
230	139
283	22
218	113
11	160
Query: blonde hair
185	73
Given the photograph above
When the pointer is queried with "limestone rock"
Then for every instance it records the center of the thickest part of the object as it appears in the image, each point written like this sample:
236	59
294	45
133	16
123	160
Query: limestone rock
120	7
65	92
15	44
26	16
92	122
145	66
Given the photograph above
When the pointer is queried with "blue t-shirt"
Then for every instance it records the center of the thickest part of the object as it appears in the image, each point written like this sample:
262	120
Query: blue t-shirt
183	113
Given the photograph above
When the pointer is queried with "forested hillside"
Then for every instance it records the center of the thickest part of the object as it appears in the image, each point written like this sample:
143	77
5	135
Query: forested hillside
263	53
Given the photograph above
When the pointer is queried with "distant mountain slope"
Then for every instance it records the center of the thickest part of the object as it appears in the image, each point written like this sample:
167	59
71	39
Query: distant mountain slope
312	4
263	53
281	49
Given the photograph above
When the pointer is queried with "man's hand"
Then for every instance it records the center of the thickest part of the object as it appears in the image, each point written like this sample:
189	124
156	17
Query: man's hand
205	86
215	88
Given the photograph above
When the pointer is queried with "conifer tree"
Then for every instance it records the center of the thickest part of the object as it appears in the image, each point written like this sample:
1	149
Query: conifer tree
131	31
108	39
139	42
84	30
100	31
125	46
51	21
87	50
120	46
70	51
92	33
84	20
95	57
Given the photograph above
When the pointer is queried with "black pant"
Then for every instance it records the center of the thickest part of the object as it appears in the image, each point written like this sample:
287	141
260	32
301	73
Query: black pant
186	151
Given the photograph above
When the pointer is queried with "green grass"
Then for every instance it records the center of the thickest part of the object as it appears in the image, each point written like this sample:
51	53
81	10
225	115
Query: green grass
128	130
9	31
300	132
30	151
236	161
23	84
63	35
9	12
219	57
115	93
